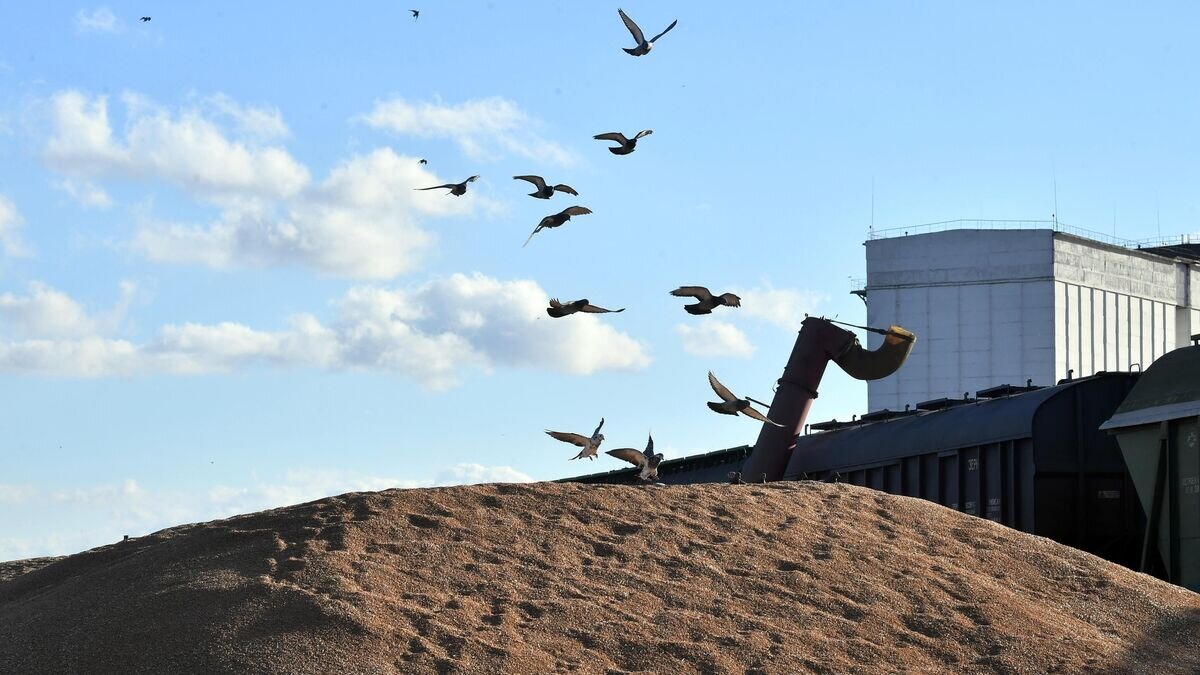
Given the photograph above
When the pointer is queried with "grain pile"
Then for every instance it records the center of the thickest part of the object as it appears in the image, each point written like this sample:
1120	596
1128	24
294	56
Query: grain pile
547	578
15	568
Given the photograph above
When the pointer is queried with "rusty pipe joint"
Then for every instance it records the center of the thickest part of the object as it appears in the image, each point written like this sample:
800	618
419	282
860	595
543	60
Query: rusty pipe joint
863	364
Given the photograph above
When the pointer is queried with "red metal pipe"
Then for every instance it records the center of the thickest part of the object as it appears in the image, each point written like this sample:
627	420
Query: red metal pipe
819	343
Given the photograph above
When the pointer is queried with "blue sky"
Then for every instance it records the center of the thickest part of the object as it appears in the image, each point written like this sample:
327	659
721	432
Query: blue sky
219	291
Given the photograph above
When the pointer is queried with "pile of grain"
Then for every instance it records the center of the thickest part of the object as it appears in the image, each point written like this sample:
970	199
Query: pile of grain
548	578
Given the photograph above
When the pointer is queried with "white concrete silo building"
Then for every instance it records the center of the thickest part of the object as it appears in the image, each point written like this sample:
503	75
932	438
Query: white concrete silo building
1003	306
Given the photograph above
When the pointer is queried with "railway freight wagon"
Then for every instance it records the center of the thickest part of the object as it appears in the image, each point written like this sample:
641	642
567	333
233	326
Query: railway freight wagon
1158	429
1035	461
710	467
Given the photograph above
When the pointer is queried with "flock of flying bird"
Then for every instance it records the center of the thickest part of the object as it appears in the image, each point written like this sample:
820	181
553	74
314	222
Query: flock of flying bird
646	461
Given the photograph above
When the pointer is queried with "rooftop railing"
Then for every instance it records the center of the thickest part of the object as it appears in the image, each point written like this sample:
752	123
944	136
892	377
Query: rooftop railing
1056	225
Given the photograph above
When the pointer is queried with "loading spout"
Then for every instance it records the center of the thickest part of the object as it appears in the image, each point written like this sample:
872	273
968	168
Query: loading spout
862	364
819	343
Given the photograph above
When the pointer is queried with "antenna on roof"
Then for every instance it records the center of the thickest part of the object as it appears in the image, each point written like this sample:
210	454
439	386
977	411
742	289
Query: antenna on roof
1054	177
1157	216
872	206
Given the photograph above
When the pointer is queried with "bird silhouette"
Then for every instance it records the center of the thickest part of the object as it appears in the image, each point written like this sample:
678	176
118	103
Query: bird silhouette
589	445
423	161
732	405
416	13
560	309
557	220
643	45
546	191
707	300
144	19
625	145
456	189
646	460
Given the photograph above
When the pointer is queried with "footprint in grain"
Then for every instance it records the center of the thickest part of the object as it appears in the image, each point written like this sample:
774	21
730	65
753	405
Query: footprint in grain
532	609
498	611
624	529
424	522
604	549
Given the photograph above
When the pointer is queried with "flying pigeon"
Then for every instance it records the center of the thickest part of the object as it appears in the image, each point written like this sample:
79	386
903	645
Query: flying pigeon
559	309
732	405
644	46
456	189
589	445
416	13
646	460
557	219
707	300
546	191
144	19
423	161
627	145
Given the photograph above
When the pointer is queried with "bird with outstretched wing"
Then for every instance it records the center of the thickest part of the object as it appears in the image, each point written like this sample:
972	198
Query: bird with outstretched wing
557	219
706	300
456	189
589	445
560	309
545	191
732	405
646	461
643	45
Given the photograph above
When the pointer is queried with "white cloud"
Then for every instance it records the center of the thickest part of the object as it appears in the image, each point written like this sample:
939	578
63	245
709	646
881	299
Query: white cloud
505	323
434	333
784	307
101	494
296	487
99	20
11	242
303	485
45	312
49	313
104	513
471	474
263	123
186	149
86	193
483	128
715	338
363	221
14	494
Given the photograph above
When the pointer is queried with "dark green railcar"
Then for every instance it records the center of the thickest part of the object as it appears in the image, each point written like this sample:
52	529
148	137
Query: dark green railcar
1158	430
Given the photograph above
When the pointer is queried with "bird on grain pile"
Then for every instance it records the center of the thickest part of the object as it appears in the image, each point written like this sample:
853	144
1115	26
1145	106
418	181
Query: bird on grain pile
560	309
627	145
643	45
546	191
557	220
646	461
456	189
589	445
732	405
707	301
735	478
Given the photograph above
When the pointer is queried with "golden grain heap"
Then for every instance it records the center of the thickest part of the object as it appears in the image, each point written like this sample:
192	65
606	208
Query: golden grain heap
557	578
